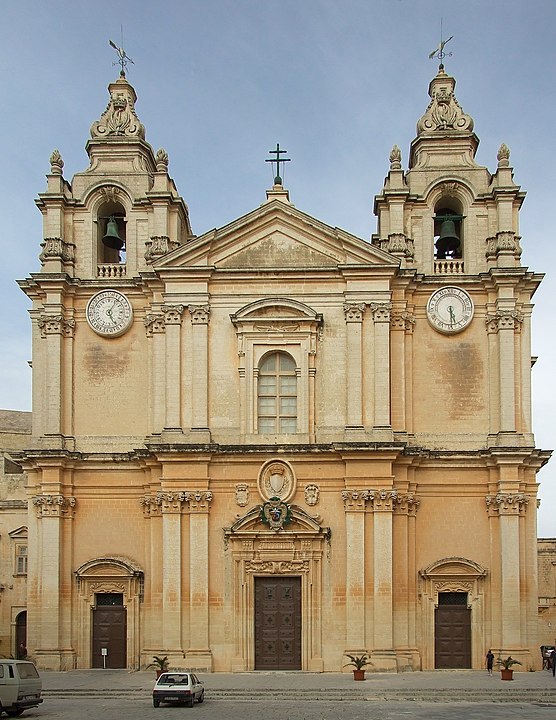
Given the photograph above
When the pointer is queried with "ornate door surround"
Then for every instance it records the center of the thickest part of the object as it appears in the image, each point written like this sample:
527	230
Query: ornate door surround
254	551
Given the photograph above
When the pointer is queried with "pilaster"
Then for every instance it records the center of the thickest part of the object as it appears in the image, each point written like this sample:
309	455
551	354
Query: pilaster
354	376
200	315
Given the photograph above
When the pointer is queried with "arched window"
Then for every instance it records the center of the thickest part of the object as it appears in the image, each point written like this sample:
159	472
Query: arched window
111	226
277	394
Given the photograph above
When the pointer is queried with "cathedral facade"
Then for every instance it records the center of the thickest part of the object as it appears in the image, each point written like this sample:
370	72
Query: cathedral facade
276	443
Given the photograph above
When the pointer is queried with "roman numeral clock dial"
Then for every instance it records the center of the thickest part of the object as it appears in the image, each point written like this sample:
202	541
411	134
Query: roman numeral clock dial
450	310
109	313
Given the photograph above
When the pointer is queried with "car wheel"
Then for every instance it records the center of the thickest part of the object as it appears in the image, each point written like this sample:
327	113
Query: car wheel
191	701
156	703
201	697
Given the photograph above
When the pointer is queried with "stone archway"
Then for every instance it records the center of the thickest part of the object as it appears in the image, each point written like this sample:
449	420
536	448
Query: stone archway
295	551
452	575
115	577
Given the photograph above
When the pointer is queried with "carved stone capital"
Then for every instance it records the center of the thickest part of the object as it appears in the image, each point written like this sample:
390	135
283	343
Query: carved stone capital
354	312
173	314
399	244
54	506
176	502
55	325
356	500
199	314
407	504
503	320
154	324
55	247
158	246
384	500
506	242
381	311
507	503
402	321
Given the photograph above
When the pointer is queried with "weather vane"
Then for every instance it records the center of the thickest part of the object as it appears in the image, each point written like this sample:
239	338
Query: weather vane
438	52
278	160
124	59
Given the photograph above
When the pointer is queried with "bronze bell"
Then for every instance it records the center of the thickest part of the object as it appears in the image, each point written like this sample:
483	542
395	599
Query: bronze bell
112	237
448	241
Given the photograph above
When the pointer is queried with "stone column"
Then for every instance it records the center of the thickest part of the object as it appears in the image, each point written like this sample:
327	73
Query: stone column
354	372
199	320
54	328
173	318
401	324
354	506
172	572
155	329
198	655
508	506
381	317
504	322
383	656
52	637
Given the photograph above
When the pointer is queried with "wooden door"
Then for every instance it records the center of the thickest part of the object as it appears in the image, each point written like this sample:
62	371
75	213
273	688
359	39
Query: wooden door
109	632
278	623
452	632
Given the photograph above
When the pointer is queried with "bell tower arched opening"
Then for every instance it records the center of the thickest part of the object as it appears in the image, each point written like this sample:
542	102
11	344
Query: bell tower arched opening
448	230
111	233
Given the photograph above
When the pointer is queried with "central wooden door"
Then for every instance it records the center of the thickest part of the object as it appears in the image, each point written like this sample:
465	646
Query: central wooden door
452	629
278	623
109	631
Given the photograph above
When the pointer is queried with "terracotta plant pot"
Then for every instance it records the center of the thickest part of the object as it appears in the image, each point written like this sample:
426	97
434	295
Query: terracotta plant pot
506	674
358	674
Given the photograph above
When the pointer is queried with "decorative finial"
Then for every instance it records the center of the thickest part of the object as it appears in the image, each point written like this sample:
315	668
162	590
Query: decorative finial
123	58
396	158
56	163
161	160
503	156
277	160
439	51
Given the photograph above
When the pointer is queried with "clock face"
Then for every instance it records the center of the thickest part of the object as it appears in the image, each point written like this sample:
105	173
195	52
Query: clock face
450	310
109	313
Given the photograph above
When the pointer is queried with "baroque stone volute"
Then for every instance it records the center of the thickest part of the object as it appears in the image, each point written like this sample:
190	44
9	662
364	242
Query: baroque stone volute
119	119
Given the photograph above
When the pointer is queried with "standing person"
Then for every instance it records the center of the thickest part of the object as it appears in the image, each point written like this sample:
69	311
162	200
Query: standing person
490	661
553	661
21	651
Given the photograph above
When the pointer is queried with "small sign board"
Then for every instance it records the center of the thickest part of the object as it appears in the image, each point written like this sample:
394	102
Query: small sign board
104	651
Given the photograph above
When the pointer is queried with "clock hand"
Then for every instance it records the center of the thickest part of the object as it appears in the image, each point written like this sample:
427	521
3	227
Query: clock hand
452	315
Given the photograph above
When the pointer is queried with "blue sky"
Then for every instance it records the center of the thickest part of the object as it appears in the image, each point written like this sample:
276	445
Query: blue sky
220	82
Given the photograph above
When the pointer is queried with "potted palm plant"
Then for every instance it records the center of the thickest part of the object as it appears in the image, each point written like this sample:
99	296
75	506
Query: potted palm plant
160	663
359	662
506	667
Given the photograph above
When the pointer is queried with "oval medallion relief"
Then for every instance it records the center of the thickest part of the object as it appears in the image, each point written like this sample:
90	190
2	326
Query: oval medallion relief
276	479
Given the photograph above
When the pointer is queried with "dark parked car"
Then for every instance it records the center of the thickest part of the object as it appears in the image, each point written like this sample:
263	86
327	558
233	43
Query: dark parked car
178	687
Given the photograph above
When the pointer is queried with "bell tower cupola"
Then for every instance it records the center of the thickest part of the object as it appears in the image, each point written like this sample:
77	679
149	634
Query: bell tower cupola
448	215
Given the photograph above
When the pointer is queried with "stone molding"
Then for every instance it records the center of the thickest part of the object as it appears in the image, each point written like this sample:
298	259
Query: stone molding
55	325
507	503
199	314
180	501
312	494
503	320
276	567
354	312
242	494
55	247
54	506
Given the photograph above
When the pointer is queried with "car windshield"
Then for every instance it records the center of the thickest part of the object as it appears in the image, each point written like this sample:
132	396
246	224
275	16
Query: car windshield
173	680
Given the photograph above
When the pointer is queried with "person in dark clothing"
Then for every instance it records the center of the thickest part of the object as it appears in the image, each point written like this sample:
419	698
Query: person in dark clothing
490	661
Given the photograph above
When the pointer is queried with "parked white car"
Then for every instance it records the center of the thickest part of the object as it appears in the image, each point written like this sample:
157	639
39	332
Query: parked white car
20	686
178	687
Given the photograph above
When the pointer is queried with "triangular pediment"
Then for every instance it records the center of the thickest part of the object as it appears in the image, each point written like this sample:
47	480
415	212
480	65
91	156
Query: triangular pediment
276	235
